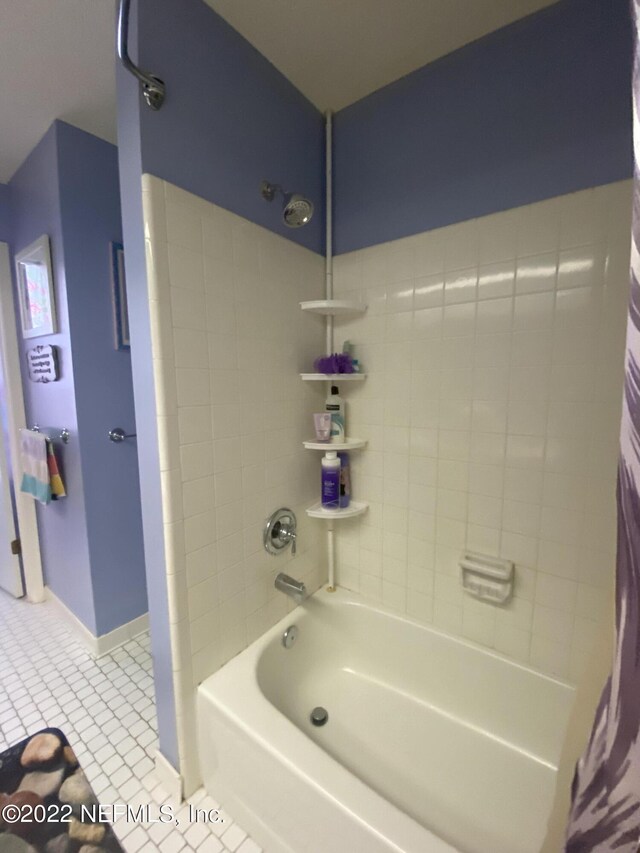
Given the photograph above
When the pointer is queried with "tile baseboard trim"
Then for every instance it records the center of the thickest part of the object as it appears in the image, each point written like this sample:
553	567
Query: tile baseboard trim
168	777
97	646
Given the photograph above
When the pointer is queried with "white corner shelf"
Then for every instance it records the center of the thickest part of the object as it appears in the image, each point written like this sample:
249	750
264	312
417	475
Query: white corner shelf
334	307
349	444
355	508
332	377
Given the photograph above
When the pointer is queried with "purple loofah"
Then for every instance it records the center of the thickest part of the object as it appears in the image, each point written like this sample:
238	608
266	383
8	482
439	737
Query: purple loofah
339	362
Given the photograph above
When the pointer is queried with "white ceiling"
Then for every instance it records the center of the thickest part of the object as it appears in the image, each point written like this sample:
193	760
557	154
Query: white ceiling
57	56
338	51
56	61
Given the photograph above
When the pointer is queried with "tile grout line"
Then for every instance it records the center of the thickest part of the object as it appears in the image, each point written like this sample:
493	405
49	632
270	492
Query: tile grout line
106	708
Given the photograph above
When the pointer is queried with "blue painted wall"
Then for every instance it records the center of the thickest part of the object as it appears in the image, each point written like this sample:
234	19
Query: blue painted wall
5	237
91	220
539	108
5	234
92	540
230	119
130	158
35	210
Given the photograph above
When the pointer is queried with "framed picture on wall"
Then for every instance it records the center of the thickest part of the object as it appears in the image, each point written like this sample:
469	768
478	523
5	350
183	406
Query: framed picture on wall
35	289
119	295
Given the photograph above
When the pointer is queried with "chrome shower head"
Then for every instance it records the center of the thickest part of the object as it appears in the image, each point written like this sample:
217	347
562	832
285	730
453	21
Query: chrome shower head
296	210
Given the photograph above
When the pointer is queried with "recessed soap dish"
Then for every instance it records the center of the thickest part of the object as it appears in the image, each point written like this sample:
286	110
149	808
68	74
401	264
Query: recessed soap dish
487	578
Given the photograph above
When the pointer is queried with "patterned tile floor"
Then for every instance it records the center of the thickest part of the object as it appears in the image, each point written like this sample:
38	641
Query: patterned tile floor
106	709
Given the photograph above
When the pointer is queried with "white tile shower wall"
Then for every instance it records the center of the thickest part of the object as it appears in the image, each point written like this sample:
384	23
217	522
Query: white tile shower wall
494	352
228	342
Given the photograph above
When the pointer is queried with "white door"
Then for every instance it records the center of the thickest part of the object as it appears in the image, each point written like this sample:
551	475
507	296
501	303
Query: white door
10	575
14	414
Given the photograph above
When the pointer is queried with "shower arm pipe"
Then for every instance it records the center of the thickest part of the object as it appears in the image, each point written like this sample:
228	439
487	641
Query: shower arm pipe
329	223
153	89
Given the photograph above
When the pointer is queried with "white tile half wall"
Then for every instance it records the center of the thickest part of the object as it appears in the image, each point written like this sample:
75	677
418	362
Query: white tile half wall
229	342
494	352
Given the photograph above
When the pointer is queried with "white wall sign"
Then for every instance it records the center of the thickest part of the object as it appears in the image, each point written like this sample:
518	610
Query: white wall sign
43	364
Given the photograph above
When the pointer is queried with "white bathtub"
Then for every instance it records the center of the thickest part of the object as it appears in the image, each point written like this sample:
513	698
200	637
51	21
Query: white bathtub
433	744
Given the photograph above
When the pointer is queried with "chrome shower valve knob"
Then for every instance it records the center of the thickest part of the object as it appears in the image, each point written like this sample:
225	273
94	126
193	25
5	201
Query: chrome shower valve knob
280	531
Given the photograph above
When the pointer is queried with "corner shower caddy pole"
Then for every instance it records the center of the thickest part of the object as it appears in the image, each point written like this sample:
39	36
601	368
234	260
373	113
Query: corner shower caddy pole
330	308
331	550
331	555
329	223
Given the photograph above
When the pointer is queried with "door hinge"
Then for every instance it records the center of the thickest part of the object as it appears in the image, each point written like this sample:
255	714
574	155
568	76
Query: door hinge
16	547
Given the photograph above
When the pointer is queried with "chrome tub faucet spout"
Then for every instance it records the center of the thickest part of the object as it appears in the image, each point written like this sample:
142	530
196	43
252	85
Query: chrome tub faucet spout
291	587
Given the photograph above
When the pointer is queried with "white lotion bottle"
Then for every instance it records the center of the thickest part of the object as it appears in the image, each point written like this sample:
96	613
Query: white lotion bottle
335	406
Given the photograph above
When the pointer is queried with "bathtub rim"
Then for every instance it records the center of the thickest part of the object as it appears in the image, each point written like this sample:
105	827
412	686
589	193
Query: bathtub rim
251	713
348	598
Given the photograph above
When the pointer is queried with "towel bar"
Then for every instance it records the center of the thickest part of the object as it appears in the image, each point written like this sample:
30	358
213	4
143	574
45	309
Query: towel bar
64	435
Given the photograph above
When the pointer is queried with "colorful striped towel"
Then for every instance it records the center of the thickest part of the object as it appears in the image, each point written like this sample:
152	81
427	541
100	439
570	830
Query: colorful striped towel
57	486
35	467
40	477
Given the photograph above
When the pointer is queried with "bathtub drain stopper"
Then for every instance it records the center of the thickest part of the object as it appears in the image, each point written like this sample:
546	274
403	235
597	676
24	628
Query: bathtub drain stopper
319	716
290	636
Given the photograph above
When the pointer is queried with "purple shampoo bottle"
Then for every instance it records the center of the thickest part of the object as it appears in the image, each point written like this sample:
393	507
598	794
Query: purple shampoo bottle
331	480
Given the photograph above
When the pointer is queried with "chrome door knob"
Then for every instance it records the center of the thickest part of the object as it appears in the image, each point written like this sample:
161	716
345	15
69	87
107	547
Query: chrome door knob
117	434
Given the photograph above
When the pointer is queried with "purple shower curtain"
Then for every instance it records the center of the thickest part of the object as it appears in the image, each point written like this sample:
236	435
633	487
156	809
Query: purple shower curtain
605	810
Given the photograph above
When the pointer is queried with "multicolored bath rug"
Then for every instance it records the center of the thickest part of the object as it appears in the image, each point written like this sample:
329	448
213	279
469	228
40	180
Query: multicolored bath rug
46	803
